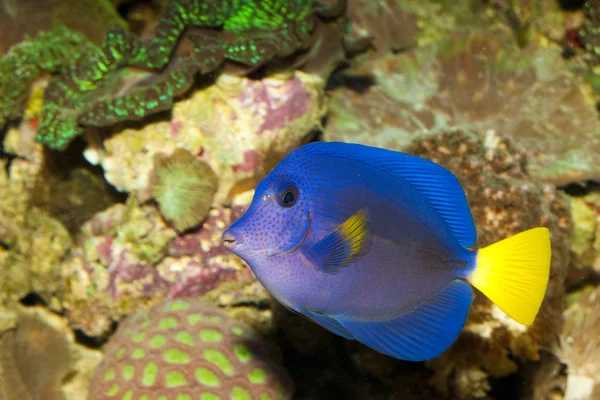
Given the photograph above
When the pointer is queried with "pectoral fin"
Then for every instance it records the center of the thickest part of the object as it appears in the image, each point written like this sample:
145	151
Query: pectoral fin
345	243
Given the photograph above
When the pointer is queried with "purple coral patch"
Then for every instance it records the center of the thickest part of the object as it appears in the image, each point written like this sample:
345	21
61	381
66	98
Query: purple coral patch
250	163
211	263
204	242
175	127
125	272
277	105
120	275
104	249
196	282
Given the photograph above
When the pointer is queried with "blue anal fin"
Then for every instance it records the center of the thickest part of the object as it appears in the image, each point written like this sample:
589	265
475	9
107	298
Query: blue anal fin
328	323
422	334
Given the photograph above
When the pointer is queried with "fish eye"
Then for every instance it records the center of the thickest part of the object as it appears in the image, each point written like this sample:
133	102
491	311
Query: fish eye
288	196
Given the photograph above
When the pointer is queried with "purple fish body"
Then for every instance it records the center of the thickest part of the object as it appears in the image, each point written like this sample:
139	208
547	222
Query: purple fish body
369	243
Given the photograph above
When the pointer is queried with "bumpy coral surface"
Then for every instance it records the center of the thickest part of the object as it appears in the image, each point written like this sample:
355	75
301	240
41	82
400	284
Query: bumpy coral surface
240	127
102	92
129	258
32	242
188	349
480	82
580	345
41	205
585	242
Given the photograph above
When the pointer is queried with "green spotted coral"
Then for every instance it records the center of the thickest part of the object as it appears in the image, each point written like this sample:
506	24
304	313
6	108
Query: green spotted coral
187	349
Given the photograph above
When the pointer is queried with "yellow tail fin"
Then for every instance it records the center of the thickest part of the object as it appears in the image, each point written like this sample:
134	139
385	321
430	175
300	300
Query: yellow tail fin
514	272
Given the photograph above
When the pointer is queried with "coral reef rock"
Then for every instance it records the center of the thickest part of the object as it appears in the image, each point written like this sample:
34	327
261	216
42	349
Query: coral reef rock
386	23
240	127
70	193
544	379
186	349
481	82
33	243
41	205
580	346
128	258
585	242
504	200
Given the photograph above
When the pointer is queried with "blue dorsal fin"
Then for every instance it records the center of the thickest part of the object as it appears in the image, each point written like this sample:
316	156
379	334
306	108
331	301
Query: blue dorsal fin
342	245
438	186
422	334
328	323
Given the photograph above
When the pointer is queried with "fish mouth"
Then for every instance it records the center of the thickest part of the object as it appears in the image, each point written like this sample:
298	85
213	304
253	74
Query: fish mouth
232	237
302	239
230	240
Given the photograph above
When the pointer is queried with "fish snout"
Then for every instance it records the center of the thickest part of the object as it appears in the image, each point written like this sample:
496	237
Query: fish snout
230	239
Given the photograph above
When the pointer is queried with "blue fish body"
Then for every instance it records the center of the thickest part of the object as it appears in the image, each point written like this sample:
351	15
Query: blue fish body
369	243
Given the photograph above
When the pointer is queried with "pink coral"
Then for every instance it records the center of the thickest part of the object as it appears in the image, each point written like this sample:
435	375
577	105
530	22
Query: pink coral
128	258
276	103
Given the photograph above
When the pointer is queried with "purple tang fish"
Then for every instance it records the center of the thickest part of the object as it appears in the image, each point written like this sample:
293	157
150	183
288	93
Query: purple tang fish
375	246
